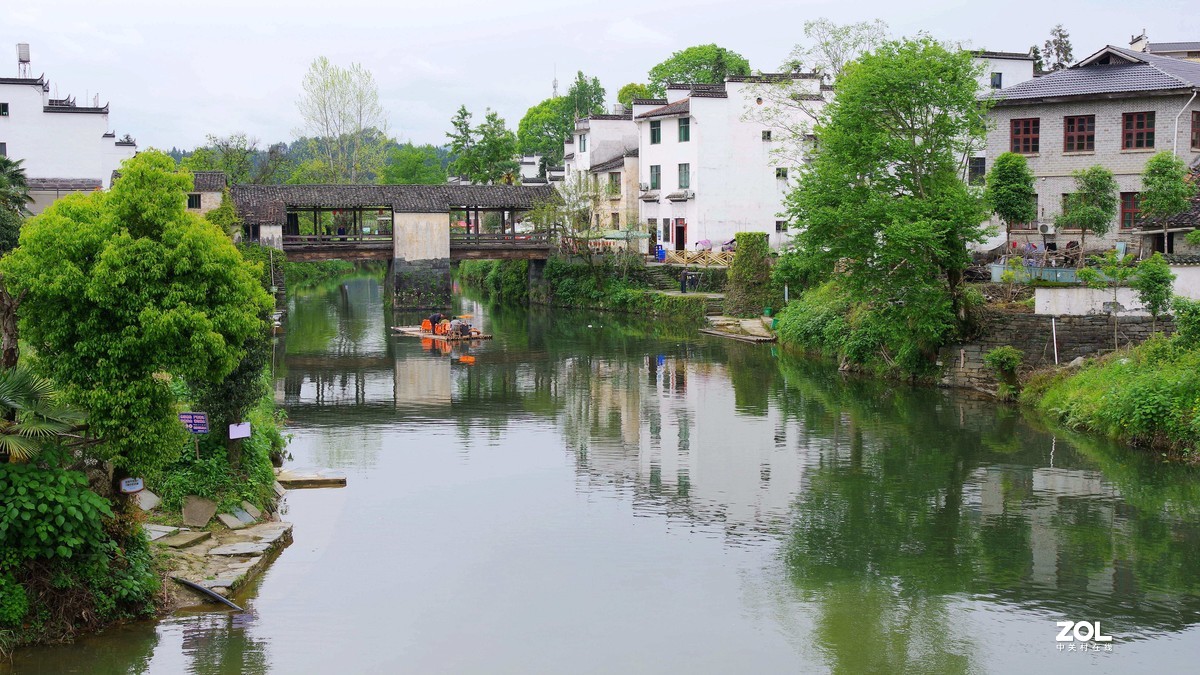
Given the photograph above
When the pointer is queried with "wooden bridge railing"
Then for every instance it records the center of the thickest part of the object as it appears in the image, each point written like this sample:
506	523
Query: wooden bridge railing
325	239
500	240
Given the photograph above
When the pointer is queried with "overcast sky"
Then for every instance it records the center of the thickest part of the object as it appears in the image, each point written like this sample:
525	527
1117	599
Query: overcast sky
175	71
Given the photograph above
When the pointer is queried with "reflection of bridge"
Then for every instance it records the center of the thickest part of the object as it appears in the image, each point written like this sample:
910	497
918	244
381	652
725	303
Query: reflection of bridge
309	248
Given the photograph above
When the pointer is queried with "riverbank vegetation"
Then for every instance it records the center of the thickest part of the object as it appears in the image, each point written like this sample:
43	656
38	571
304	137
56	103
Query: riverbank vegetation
301	274
133	309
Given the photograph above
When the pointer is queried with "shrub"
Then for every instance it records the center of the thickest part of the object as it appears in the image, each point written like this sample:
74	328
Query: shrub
750	289
49	513
1005	361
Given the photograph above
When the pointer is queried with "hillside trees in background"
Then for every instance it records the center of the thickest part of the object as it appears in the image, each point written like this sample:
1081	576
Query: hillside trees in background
701	64
483	154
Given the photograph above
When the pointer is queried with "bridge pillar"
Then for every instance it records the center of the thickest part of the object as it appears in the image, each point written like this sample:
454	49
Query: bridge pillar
421	260
538	290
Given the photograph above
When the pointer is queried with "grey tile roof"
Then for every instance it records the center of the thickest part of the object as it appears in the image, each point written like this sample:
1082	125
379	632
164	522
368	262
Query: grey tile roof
607	165
569	155
985	54
649	196
533	180
65	184
681	196
627	115
772	77
649	101
1132	73
210	181
1159	47
265	204
677	108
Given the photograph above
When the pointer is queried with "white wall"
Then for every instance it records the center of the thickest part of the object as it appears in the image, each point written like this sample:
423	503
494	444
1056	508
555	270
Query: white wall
1080	300
1012	71
421	236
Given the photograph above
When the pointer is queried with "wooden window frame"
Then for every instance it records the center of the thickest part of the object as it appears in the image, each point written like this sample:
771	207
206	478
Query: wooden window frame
655	132
1025	135
976	175
196	197
1079	133
1131	207
1130	130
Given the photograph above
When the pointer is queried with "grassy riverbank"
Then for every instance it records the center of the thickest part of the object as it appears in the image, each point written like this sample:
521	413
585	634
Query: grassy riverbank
604	285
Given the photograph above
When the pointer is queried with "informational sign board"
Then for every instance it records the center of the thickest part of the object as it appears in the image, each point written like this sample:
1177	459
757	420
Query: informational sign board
196	422
241	430
132	485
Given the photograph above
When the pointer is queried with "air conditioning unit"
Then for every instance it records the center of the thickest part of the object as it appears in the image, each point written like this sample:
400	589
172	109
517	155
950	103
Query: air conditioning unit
1046	228
689	194
643	186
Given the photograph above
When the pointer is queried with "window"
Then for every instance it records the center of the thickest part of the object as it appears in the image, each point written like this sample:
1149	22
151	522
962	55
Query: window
1130	209
997	80
583	142
193	201
781	172
614	181
656	132
655	176
3	110
976	170
685	129
1079	133
1196	130
781	226
767	135
616	221
3	149
685	176
1137	131
666	227
1024	139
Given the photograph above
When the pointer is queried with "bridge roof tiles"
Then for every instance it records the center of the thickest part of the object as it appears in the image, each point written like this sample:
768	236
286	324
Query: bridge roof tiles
267	204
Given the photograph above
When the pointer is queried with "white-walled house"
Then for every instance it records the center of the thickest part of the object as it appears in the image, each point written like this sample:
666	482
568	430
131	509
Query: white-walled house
602	155
709	167
998	70
66	147
1115	108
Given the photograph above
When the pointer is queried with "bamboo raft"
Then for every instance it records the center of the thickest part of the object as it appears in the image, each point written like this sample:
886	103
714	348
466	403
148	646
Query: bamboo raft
415	331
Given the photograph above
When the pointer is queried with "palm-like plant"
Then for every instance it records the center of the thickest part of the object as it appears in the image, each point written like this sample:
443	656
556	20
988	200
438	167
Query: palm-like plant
14	188
32	415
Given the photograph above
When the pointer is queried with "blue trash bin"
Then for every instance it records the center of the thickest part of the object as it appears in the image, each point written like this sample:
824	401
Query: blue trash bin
659	254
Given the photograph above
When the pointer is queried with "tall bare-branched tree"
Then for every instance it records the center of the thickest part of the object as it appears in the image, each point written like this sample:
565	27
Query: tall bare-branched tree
341	110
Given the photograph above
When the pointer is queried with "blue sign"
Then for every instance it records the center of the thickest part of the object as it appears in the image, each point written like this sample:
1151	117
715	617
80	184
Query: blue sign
196	422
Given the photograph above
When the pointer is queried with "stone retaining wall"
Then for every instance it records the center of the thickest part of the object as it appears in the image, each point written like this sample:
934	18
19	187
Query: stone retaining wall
962	365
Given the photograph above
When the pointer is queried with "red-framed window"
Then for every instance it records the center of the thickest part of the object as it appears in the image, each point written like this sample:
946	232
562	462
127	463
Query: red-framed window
1079	133
1196	130
1130	209
1025	134
1137	130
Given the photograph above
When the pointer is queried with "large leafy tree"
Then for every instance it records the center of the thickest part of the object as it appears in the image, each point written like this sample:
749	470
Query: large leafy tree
626	94
884	195
484	154
1166	191
702	64
1010	191
585	97
124	290
340	107
240	157
544	128
831	46
1093	205
410	164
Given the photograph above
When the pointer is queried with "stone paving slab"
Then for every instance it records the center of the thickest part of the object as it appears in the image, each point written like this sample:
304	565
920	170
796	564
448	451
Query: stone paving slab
308	477
156	532
239	557
252	510
147	500
231	521
241	515
241	548
197	511
184	539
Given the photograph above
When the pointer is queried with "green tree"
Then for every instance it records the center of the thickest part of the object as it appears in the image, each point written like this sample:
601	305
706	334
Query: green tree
749	290
1155	285
884	196
1092	206
124	290
1111	271
1010	191
626	94
340	108
584	97
410	164
486	154
1057	51
544	128
1166	191
14	187
225	216
1039	65
702	64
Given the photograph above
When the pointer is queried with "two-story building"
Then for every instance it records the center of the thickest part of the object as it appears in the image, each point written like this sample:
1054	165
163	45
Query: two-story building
710	167
66	147
1115	108
601	159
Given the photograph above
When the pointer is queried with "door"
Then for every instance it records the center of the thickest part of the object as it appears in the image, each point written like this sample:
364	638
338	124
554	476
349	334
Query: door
680	234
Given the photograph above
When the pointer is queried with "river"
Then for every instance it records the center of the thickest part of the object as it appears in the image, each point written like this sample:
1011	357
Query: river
600	495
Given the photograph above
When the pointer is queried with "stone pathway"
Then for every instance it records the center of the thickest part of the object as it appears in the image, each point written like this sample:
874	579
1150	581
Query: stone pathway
309	477
749	330
224	560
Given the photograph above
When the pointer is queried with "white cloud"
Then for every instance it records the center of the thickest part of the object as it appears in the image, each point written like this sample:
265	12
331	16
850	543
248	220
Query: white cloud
635	32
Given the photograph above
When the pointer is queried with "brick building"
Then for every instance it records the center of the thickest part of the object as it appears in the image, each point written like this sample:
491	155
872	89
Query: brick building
1115	108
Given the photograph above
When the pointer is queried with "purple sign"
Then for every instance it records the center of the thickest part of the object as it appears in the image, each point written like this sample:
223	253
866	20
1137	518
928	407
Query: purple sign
196	422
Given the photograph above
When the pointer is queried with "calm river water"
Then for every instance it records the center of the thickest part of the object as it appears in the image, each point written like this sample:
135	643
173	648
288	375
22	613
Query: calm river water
595	495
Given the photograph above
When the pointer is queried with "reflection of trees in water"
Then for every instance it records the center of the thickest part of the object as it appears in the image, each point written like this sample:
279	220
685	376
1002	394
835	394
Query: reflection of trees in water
221	643
919	498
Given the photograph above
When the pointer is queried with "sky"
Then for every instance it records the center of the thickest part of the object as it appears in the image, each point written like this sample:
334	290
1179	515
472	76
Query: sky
174	72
